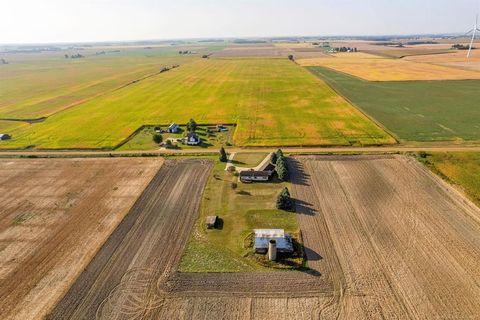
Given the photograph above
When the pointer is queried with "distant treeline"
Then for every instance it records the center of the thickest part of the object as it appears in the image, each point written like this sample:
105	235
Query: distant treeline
211	40
247	41
461	47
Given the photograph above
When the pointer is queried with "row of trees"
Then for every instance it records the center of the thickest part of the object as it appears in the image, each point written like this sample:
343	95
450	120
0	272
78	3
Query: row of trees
346	49
280	165
461	47
74	56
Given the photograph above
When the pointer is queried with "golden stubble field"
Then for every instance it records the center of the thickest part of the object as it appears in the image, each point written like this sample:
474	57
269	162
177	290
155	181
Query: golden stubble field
456	59
395	241
374	68
54	216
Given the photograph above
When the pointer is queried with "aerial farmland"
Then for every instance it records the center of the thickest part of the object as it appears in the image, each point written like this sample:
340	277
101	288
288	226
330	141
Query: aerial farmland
238	177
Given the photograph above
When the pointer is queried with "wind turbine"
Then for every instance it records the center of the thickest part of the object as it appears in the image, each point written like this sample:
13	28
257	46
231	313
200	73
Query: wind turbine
474	33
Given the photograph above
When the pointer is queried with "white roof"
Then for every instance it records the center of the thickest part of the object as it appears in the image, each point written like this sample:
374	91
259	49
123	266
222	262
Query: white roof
263	236
270	233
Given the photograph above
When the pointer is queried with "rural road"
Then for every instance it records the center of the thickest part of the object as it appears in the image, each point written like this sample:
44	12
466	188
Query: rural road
386	149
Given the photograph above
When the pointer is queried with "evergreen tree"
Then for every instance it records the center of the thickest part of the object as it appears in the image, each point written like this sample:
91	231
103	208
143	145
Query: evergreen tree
273	157
279	154
281	168
191	125
284	200
223	155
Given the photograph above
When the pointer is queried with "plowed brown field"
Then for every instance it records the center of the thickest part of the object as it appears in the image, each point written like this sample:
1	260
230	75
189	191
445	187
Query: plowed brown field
395	241
384	237
54	216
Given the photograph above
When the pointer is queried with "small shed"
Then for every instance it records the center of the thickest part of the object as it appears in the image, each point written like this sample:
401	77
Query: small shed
4	136
283	240
173	128
211	222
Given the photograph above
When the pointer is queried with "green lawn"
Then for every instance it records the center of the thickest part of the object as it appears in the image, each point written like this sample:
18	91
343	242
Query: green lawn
460	168
415	110
273	101
249	159
241	208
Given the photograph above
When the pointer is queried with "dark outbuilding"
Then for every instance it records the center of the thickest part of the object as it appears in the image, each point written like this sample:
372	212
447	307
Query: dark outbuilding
211	222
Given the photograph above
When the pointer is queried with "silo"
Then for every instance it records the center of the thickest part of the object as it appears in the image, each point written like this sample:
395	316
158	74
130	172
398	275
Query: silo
272	250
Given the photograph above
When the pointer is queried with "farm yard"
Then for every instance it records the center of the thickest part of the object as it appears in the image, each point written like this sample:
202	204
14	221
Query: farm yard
241	208
374	68
54	216
261	95
449	112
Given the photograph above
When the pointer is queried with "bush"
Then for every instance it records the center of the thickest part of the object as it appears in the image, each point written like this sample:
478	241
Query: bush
169	144
422	154
157	138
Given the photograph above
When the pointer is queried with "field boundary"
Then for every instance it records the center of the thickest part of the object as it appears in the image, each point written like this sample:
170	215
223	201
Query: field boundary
380	125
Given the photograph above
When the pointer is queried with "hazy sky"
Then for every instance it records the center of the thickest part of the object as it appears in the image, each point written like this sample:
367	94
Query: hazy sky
97	20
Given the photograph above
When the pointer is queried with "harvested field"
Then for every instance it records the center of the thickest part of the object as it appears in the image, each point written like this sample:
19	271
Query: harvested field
252	51
394	245
54	216
123	277
380	245
374	68
457	59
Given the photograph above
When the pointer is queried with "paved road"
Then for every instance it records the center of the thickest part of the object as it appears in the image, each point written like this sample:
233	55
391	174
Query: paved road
92	153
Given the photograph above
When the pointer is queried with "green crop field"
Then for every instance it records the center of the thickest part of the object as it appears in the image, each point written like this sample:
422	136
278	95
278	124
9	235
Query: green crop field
273	101
414	110
459	168
38	85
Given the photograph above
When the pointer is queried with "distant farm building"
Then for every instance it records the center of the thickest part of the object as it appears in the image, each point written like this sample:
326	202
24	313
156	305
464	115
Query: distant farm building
211	222
283	240
252	175
221	128
4	136
173	128
193	139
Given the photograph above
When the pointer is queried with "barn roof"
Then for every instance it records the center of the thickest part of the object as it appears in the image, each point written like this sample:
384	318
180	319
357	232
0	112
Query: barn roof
252	173
263	236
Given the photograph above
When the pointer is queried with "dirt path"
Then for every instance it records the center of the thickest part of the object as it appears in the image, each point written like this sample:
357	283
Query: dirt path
428	147
123	278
